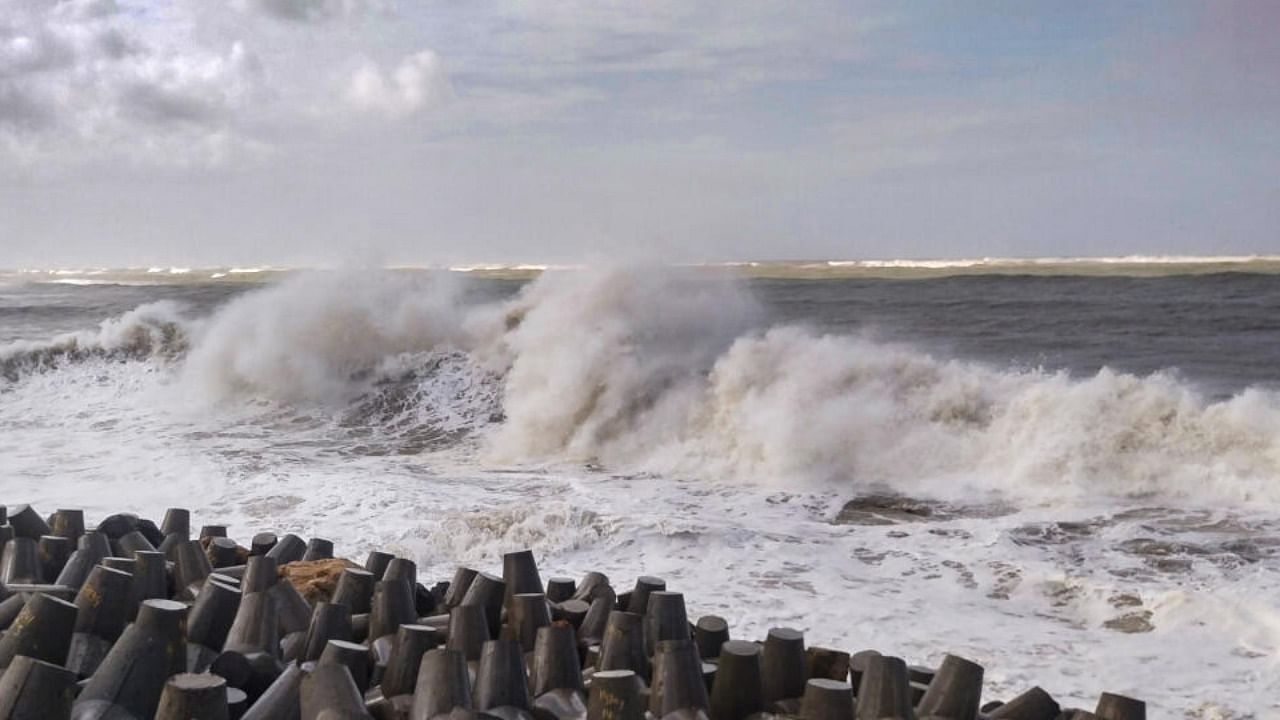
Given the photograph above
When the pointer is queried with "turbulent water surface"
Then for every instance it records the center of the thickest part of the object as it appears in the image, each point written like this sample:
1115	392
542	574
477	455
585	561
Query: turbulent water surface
1069	476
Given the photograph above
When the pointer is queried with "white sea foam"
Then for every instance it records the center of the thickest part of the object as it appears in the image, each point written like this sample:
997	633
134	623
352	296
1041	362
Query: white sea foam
672	372
317	337
153	330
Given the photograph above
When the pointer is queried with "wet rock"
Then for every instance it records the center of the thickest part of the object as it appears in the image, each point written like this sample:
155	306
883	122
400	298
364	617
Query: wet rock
883	510
1134	622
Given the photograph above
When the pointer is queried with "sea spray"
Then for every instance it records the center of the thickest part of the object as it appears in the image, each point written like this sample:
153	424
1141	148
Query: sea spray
612	364
317	337
651	370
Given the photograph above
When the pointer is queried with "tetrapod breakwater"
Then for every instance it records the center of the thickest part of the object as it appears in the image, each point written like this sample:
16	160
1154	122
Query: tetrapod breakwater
134	619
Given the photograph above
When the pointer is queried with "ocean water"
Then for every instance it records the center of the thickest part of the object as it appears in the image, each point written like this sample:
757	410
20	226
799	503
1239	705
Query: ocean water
1066	471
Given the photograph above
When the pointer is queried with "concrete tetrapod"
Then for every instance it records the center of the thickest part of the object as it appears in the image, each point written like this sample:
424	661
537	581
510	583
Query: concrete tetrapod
1119	707
615	695
377	563
784	665
290	548
885	689
209	623
262	543
68	524
190	568
955	691
150	578
710	633
678	683
401	569
411	644
329	691
501	680
261	572
1034	704
176	520
77	569
42	630
645	585
555	661
665	619
571	611
27	523
468	631
442	685
132	676
53	552
737	691
622	647
188	696
318	549
329	621
353	656
560	589
33	689
212	531
527	613
392	607
21	562
103	609
458	587
826	699
355	590
223	552
488	592
591	629
593	583
520	573
281	699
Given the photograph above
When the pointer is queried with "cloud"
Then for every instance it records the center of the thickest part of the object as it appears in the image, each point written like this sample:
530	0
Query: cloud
22	112
309	11
419	82
78	80
709	129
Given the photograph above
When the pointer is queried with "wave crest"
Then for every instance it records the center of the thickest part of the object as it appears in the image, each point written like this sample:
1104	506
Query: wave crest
156	330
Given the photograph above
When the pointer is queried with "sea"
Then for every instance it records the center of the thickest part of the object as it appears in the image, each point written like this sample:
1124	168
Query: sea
1067	470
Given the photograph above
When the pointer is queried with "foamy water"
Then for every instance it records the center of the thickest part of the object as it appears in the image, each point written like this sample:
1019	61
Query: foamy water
1089	531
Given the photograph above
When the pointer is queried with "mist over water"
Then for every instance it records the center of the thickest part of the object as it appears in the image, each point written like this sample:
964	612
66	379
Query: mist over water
686	417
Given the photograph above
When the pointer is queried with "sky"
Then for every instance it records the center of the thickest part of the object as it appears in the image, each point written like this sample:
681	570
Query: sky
315	132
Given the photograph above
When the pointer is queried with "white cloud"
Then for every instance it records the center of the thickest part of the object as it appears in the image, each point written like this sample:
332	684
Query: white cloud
418	83
78	81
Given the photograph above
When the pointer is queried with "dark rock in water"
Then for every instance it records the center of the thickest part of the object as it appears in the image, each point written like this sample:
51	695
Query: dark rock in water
891	509
883	510
1134	622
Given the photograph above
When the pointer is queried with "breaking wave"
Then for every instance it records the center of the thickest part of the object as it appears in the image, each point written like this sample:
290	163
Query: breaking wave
154	330
678	372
